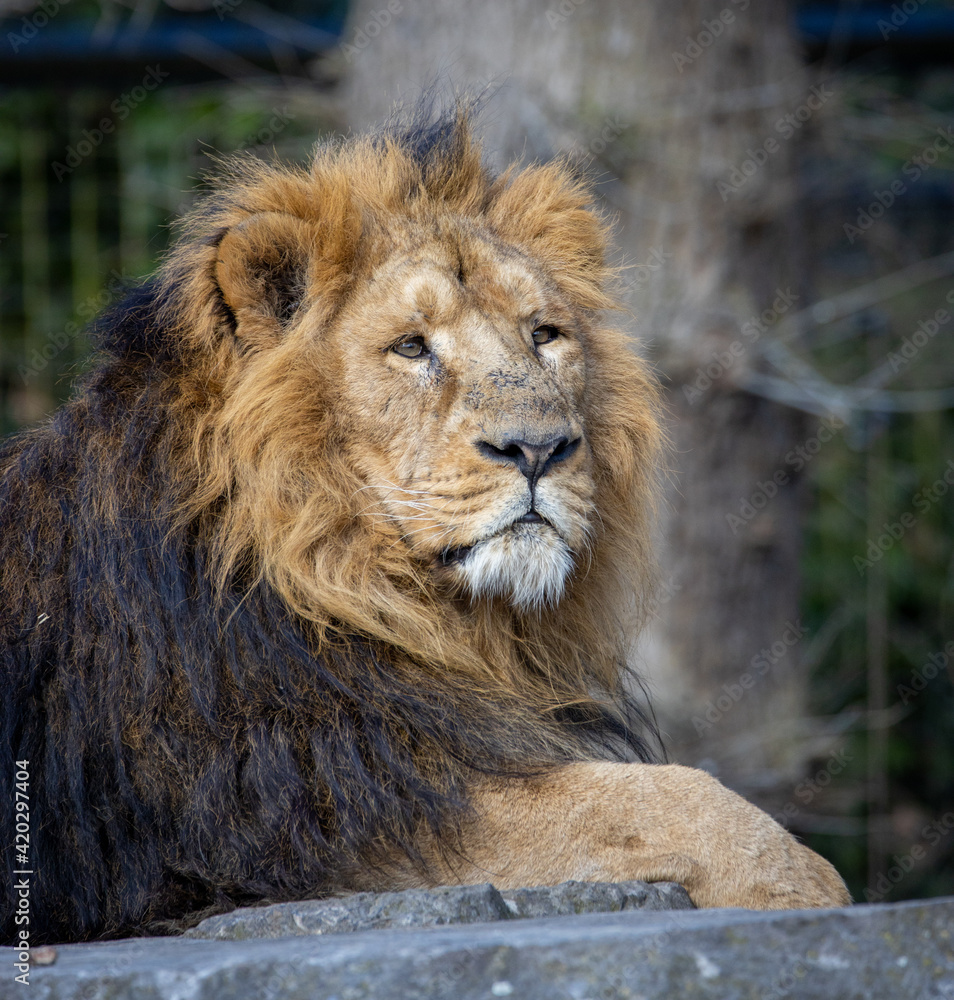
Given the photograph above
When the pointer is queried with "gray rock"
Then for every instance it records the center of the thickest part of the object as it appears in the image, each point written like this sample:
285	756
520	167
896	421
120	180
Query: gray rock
595	897
903	951
466	904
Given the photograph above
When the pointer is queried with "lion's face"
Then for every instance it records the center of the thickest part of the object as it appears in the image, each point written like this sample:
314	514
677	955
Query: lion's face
462	377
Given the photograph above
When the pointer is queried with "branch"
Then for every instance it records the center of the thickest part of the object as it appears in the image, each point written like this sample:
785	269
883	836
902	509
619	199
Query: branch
865	296
823	398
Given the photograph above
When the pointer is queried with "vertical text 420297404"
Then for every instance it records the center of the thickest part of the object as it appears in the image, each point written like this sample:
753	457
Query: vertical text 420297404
21	874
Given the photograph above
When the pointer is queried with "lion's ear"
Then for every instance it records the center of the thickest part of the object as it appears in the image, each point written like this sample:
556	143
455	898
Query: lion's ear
262	270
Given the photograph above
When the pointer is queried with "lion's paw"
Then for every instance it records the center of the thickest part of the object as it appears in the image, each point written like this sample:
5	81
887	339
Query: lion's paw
731	853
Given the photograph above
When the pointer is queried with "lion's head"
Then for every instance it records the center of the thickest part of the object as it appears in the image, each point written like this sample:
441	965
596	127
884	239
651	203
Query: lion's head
424	426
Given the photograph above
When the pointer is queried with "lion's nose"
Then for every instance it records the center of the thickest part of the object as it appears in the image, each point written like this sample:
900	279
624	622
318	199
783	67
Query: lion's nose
532	458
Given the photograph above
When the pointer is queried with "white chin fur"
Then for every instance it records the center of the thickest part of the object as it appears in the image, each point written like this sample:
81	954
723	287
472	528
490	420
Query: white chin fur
528	564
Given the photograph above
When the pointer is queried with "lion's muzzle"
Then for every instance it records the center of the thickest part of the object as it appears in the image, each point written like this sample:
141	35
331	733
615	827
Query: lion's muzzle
526	554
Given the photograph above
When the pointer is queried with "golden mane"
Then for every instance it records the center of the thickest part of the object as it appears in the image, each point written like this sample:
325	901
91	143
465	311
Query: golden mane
265	454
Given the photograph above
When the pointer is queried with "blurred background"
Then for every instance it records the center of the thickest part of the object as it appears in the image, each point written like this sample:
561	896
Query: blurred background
782	179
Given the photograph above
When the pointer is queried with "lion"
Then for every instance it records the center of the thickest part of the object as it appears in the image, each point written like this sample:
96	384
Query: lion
326	578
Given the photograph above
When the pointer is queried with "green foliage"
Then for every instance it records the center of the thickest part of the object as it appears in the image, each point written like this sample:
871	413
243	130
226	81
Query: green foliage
841	555
879	549
89	188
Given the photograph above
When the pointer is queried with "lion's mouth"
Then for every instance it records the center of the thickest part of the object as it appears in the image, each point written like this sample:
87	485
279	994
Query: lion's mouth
452	557
532	517
455	556
527	563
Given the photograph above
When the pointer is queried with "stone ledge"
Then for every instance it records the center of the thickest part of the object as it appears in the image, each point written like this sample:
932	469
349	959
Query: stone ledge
903	951
437	907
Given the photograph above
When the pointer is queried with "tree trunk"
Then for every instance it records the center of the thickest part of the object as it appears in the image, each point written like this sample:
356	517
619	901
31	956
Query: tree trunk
679	111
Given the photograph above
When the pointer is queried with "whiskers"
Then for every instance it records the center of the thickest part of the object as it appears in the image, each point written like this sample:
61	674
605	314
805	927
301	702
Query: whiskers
409	500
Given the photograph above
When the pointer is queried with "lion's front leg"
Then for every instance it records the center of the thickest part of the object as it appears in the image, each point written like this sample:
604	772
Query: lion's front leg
616	822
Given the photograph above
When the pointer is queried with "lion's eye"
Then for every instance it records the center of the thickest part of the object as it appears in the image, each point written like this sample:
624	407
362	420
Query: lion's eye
544	334
413	347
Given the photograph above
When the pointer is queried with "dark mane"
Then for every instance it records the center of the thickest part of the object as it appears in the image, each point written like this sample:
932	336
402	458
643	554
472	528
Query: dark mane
132	326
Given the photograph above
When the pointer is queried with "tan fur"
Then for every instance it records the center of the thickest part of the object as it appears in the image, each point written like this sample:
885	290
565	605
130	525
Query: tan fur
349	471
608	822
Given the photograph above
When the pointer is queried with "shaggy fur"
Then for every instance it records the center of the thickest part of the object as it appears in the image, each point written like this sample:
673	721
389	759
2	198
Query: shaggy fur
266	607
